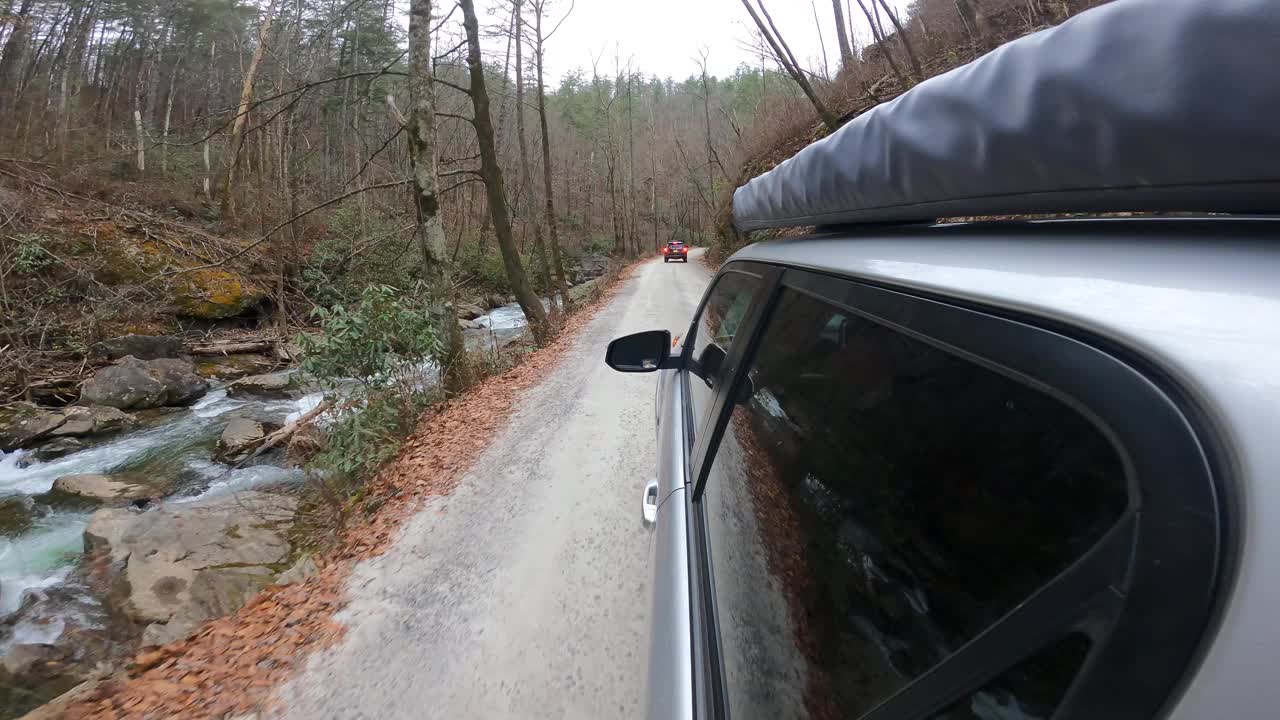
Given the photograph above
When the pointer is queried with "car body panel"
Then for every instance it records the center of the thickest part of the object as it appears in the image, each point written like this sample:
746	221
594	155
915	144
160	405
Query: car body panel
670	674
1194	301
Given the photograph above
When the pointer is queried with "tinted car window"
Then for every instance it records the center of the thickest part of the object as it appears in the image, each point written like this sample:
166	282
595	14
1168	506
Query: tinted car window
1031	690
717	325
876	503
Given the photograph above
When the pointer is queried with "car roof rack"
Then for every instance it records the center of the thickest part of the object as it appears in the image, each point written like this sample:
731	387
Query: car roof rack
1136	105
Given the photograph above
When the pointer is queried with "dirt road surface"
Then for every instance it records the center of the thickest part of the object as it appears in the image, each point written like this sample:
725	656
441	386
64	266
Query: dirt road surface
525	592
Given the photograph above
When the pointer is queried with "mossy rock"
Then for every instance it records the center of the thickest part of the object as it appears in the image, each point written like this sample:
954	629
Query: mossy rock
206	294
213	294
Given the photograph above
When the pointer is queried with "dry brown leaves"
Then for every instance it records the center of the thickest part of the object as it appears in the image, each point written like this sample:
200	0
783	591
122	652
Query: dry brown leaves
233	664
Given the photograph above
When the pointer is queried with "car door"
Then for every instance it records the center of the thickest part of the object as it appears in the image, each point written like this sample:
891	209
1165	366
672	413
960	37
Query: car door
915	510
686	399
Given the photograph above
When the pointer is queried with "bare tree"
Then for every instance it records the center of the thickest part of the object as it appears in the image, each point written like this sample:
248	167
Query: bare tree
842	36
242	111
539	40
491	172
788	62
426	193
906	42
878	33
526	178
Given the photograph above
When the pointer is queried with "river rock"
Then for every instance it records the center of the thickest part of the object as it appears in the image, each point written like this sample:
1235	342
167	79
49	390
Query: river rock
134	384
231	367
111	488
16	514
143	347
469	325
468	311
188	562
56	448
269	385
238	439
22	424
106	531
96	420
72	648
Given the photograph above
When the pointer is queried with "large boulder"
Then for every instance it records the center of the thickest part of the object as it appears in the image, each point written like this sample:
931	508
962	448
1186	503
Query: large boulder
277	385
143	347
22	424
213	294
112	488
134	384
239	438
188	562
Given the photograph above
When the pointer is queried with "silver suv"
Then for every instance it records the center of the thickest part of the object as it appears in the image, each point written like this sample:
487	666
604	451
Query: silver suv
990	470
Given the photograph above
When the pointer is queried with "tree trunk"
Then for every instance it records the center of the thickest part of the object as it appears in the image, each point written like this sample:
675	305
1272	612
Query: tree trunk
11	58
976	22
526	179
242	112
906	42
426	185
548	201
788	63
842	36
168	116
883	45
491	172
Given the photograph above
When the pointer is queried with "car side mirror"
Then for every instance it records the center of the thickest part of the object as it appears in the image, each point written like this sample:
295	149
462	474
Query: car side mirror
710	362
640	352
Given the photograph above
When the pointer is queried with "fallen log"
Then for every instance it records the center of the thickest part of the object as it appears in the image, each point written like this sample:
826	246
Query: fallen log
286	432
233	348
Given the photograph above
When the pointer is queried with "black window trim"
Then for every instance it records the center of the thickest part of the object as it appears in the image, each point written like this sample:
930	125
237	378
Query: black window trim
1165	561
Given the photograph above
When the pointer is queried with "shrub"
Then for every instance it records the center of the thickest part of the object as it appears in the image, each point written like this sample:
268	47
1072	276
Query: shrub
30	257
384	335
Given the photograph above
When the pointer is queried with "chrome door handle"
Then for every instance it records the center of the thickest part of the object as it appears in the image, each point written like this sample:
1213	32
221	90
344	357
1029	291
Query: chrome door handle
649	504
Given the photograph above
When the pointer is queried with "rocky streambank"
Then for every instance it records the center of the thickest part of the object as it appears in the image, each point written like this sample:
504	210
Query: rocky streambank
149	506
138	513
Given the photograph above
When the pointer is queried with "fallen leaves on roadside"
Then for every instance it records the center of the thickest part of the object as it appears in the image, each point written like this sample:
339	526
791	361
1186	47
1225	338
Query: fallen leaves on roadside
232	664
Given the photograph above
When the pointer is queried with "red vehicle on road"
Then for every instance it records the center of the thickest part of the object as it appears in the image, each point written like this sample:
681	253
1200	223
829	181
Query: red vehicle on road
675	250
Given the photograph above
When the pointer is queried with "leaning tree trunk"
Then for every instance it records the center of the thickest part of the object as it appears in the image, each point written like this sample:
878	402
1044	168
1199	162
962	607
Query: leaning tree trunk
491	173
783	54
906	42
242	112
426	194
882	43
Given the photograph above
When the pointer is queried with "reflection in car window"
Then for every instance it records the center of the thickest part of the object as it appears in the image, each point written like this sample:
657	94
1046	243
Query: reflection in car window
718	323
878	502
1030	690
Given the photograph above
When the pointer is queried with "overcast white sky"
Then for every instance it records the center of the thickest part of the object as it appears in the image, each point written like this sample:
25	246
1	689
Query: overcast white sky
662	37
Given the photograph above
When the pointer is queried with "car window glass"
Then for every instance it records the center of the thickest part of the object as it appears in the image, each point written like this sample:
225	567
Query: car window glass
1030	690
878	502
717	325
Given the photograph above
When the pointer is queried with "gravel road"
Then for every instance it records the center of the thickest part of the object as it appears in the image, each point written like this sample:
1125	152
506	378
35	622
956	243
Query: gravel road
524	593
